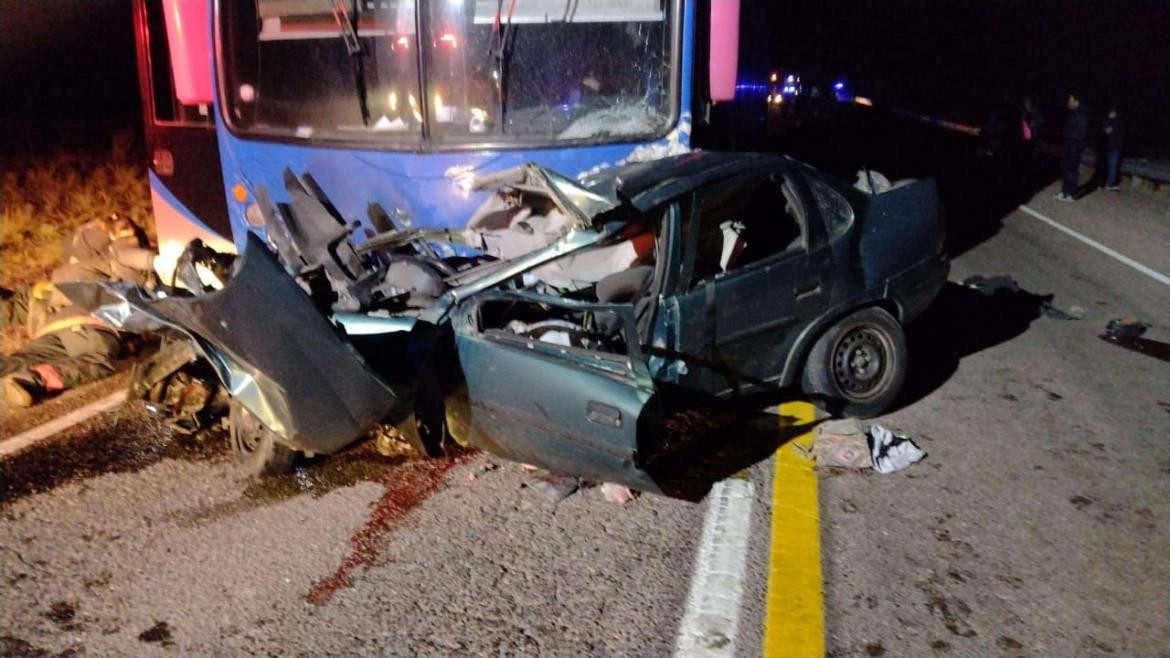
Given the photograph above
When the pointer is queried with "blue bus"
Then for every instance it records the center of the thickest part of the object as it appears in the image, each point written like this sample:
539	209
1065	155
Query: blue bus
399	103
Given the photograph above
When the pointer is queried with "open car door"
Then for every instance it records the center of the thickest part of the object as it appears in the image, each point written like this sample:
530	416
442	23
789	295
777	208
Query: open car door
566	395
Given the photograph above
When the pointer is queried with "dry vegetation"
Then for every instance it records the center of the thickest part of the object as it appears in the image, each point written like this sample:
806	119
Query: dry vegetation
43	198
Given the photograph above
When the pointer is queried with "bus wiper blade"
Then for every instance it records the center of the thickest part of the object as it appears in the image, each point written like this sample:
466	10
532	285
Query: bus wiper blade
347	25
500	52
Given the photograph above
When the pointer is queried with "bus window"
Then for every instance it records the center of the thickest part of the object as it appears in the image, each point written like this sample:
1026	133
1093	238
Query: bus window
165	106
292	67
545	70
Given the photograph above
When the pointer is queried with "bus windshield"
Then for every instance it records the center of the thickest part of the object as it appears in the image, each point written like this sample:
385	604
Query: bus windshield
523	71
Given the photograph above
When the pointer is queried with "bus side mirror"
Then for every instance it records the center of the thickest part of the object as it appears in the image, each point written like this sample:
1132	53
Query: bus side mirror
724	52
189	36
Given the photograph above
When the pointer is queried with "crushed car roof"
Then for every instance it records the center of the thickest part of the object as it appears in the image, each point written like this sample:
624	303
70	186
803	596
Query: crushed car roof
647	184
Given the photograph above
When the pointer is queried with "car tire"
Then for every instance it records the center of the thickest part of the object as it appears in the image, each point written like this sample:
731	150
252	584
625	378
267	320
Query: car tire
859	364
255	446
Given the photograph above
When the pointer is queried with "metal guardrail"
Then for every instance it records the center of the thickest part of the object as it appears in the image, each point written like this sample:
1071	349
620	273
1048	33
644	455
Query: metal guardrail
1148	169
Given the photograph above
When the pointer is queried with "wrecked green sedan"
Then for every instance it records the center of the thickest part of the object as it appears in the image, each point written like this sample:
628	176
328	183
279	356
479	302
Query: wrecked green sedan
588	314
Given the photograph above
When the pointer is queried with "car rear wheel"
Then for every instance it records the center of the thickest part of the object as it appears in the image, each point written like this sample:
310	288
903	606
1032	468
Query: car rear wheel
255	446
859	363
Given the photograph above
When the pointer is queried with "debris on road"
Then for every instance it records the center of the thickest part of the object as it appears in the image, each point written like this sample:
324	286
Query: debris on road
842	444
991	285
1050	310
391	442
1126	327
892	452
617	493
486	467
553	486
1127	332
849	444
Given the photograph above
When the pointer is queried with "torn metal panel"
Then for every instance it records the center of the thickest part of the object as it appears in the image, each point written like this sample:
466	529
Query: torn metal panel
310	235
492	274
277	355
578	202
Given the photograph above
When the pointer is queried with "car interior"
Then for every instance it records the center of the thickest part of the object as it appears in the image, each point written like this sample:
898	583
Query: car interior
747	221
632	258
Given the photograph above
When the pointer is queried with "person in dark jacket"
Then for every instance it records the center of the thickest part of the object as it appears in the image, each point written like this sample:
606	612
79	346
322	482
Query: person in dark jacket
1076	135
1114	141
67	346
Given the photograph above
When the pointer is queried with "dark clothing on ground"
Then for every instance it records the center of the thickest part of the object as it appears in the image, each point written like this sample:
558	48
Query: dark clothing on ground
1076	135
68	347
78	355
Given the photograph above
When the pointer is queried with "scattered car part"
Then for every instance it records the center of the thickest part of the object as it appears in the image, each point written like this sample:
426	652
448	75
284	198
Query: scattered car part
1127	332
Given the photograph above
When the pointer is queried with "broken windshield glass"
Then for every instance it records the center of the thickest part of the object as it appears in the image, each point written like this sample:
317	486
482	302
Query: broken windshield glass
549	70
330	69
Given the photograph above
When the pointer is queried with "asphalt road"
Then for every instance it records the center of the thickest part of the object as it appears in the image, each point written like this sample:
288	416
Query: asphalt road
1039	524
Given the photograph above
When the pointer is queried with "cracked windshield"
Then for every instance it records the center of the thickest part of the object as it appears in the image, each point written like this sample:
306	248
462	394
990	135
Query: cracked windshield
522	70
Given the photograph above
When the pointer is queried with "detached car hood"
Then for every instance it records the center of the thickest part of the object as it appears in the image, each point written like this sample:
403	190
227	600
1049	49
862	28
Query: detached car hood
276	353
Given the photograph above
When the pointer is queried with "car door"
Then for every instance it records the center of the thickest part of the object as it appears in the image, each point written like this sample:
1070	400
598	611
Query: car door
757	271
534	399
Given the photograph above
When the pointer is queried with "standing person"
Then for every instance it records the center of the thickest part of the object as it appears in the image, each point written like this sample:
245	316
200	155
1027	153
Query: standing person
68	347
1114	141
1076	135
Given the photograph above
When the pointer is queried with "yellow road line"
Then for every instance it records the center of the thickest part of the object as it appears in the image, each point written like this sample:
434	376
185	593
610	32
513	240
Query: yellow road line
794	621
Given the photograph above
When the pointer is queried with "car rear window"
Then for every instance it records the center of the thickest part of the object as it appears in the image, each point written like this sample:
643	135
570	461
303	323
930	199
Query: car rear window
835	209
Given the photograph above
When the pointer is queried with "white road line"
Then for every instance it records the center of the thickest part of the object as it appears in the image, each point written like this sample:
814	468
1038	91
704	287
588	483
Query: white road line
711	620
1150	272
29	437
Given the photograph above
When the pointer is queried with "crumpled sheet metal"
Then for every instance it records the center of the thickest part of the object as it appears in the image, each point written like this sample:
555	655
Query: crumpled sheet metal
279	357
580	203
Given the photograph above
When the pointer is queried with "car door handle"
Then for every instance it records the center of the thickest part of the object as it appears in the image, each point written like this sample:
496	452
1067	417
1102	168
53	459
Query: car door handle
807	289
603	414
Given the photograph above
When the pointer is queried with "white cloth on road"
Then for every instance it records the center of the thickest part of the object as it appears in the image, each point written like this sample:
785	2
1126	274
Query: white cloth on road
892	452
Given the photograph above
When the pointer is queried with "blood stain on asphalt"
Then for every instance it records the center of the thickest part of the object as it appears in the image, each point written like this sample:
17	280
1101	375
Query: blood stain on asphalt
406	488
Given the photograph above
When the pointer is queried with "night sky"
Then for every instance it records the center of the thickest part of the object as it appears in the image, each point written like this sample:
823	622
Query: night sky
959	58
67	71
